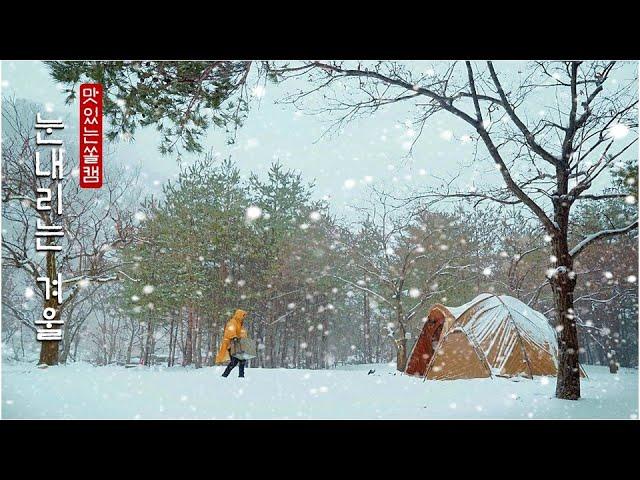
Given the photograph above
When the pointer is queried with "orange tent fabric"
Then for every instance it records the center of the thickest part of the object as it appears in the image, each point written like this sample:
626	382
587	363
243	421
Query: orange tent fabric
489	336
232	329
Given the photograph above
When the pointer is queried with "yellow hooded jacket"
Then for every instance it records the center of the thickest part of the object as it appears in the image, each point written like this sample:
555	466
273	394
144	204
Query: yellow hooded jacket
232	329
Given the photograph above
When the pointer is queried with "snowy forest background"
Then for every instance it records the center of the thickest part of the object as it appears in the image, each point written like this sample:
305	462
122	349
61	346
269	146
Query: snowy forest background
152	278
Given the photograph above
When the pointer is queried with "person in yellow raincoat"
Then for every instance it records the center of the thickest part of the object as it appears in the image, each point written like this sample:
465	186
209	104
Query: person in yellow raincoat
233	330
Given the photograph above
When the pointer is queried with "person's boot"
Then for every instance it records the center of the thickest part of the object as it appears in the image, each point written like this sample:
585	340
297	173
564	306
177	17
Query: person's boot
227	371
241	370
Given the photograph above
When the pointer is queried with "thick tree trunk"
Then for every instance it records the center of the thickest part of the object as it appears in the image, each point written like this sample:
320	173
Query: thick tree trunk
170	359
49	353
188	353
401	354
563	285
198	328
367	329
175	343
378	342
148	349
613	342
401	342
130	346
76	343
324	358
284	349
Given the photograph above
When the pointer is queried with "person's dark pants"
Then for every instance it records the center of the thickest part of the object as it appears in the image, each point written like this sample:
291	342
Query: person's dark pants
234	361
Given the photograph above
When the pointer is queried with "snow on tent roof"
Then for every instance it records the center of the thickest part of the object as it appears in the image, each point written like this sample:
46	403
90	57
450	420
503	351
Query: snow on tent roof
531	324
457	311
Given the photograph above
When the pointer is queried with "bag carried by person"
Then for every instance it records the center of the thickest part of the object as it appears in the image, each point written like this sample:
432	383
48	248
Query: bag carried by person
242	348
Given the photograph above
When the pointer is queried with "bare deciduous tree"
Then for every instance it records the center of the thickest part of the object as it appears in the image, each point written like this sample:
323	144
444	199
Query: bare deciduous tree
546	162
95	222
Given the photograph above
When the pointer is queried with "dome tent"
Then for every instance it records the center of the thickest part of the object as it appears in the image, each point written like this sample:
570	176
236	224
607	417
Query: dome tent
490	336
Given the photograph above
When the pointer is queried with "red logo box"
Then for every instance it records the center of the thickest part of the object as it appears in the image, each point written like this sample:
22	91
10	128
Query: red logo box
90	135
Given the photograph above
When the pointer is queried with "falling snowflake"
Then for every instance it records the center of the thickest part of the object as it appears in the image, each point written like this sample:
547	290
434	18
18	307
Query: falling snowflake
630	199
241	283
446	135
148	289
252	143
140	216
631	279
547	238
253	213
368	179
28	292
608	275
315	216
618	131
258	91
135	298
414	293
304	226
349	183
487	272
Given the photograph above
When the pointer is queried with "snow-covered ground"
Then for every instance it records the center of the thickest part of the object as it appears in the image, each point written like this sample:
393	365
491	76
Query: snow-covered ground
83	391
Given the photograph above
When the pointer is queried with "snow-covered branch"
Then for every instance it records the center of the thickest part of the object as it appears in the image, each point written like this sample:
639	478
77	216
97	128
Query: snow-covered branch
575	251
